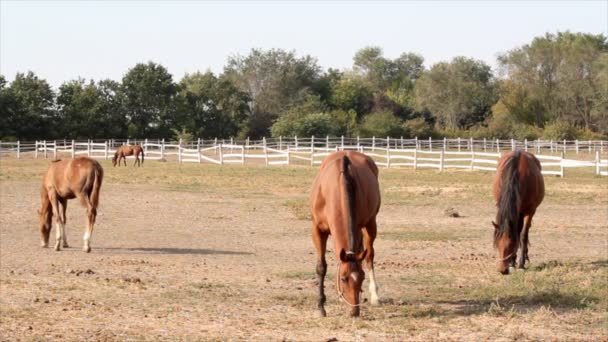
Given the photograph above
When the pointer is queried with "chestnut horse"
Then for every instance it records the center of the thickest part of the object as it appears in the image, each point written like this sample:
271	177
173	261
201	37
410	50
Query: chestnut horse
66	179
345	200
519	189
128	150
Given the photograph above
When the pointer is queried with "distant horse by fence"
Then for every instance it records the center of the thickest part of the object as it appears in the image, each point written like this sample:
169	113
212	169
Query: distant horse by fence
519	189
345	201
66	179
128	150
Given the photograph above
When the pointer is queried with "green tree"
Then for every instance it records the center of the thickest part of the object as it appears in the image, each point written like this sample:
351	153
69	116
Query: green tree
273	81
89	110
149	100
29	113
560	77
459	94
211	106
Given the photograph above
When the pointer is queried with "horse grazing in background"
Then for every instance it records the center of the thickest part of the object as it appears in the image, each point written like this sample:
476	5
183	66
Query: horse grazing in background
66	179
519	189
345	200
128	150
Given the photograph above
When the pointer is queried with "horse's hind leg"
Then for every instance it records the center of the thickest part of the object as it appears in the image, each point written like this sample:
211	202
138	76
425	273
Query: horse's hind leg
64	220
91	215
369	235
53	198
524	241
320	240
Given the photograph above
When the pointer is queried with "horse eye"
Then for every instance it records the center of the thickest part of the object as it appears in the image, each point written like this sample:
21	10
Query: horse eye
343	279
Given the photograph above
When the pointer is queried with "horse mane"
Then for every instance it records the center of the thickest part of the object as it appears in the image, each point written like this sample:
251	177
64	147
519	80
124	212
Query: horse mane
507	216
349	187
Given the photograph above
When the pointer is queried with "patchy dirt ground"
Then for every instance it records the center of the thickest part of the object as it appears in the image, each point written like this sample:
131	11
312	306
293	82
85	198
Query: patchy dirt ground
187	255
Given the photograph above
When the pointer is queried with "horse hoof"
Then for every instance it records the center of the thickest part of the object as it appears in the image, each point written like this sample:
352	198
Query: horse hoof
86	249
57	248
375	301
322	313
65	245
44	245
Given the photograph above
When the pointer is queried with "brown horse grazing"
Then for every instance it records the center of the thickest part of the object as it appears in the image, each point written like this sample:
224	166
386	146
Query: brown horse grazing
66	179
345	200
519	189
128	150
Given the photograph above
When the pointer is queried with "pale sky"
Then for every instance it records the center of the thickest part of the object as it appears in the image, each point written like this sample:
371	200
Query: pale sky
64	40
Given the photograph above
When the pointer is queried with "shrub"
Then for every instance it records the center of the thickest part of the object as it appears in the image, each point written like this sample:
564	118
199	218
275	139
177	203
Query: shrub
418	127
559	130
381	124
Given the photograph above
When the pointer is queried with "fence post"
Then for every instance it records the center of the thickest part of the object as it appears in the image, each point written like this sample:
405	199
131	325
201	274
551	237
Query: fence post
373	143
402	143
526	144
242	155
512	144
589	146
561	164
36	149
327	143
576	142
221	152
73	148
445	143
564	146
312	150
89	148
602	146
471	143
198	149
388	152
162	149
472	159
497	146
441	160
484	145
296	142
358	144
342	142
458	144
415	159
266	155
280	143
288	158
44	146
416	142
105	150
597	163
18	149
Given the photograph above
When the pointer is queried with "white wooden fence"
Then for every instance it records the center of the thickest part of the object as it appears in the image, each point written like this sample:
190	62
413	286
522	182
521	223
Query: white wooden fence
438	154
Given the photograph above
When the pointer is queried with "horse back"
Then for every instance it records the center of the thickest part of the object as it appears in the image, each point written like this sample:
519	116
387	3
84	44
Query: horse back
531	183
327	192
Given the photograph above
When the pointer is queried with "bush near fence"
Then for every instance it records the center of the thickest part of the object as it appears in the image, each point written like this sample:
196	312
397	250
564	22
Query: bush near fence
387	152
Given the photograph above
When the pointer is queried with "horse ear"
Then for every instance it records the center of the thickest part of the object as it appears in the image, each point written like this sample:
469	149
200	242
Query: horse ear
343	255
495	225
360	256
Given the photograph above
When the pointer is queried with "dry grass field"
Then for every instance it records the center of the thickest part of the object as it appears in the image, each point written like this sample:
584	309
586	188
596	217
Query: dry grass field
200	252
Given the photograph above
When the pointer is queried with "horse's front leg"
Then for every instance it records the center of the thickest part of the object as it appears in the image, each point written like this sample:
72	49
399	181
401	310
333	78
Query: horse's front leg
369	235
64	220
320	240
524	241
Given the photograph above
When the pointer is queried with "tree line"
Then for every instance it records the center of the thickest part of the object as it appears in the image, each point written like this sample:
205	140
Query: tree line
555	87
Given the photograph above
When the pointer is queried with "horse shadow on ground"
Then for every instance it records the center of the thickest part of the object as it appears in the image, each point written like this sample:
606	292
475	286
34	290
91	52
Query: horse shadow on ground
171	251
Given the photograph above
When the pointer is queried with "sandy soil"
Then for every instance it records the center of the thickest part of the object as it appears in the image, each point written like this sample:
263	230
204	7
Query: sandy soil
169	265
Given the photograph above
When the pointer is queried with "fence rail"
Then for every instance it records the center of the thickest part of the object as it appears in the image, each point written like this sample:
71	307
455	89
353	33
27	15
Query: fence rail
387	152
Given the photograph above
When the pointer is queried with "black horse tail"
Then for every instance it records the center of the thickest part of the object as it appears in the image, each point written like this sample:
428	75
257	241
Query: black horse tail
349	187
510	202
142	155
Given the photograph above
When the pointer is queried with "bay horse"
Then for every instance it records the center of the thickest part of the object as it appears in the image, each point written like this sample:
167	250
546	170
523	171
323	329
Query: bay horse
519	189
128	150
67	179
344	202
